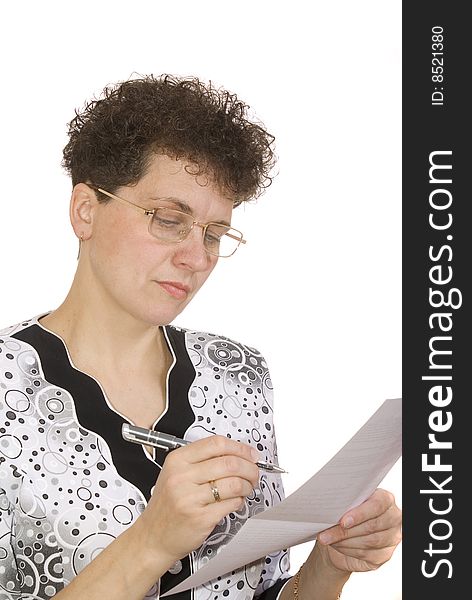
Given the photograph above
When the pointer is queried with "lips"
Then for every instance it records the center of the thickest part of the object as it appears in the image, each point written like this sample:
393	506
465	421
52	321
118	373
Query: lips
175	289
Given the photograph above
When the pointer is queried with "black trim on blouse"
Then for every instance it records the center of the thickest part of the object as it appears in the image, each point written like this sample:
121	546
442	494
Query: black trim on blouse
179	415
178	418
96	415
93	412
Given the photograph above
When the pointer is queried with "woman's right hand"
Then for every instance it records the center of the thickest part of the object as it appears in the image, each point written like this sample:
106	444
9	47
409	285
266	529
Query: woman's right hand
183	511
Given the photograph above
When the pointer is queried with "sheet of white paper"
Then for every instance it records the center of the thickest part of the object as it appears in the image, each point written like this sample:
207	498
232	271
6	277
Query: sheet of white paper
345	481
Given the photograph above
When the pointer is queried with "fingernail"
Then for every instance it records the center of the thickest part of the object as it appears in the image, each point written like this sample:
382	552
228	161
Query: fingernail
348	522
325	538
255	454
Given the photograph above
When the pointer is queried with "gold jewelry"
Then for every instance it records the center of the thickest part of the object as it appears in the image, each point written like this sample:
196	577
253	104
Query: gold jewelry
296	583
81	239
214	491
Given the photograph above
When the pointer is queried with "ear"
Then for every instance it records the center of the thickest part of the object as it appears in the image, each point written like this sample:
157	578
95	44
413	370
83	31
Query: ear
82	207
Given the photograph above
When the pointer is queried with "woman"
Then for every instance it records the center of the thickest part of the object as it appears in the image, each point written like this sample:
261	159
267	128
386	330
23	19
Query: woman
157	165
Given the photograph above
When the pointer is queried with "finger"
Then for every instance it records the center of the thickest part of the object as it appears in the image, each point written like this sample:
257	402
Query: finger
379	502
226	467
372	558
219	510
374	541
390	519
225	489
214	446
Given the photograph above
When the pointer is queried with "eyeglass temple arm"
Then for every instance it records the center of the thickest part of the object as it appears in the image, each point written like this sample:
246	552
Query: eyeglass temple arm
235	237
149	212
123	201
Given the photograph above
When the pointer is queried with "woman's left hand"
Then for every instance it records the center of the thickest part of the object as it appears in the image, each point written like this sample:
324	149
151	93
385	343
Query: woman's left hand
366	536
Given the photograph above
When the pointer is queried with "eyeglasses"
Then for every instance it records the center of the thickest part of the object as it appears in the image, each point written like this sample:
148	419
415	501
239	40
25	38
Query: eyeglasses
173	226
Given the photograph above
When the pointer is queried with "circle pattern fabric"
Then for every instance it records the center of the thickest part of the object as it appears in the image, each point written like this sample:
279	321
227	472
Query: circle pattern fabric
62	498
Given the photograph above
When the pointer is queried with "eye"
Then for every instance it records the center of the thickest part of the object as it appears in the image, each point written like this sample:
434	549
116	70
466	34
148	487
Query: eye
211	238
162	221
170	219
213	235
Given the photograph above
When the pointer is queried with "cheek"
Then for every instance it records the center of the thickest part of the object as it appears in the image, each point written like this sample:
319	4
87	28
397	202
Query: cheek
203	276
121	248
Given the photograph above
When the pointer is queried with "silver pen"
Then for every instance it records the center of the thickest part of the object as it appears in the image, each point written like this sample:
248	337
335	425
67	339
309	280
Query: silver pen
148	437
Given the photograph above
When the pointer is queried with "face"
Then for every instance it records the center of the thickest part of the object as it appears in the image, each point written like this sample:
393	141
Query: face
149	279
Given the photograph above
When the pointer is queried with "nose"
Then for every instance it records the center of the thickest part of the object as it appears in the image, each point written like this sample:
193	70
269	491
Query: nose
190	253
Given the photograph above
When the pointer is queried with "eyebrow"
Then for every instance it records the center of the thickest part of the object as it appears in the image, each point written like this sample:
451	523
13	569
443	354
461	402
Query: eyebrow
184	207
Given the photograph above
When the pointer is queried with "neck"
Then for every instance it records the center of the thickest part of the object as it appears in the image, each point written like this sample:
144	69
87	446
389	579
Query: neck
98	331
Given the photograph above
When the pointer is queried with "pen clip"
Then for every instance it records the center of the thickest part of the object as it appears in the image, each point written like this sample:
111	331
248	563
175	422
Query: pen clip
148	437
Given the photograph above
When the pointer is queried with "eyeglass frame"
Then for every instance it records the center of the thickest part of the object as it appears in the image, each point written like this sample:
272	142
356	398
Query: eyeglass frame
149	212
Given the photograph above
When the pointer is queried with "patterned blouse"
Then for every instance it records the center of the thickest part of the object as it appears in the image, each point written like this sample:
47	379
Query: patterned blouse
70	484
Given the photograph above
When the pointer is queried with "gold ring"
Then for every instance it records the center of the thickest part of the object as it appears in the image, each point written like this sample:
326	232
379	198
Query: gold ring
214	491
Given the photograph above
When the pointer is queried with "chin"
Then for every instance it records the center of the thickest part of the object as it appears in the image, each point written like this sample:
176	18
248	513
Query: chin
152	309
162	315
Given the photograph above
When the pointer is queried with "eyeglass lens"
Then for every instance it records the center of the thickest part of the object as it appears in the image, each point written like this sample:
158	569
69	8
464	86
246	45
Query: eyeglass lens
174	226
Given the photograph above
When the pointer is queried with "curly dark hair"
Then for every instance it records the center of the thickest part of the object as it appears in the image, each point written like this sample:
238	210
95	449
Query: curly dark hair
112	140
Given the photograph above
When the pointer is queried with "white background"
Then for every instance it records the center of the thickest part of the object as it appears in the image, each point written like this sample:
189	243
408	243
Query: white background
318	286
